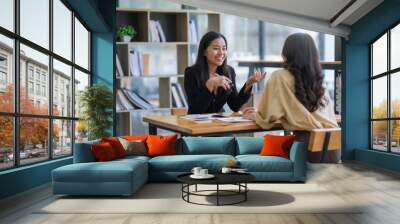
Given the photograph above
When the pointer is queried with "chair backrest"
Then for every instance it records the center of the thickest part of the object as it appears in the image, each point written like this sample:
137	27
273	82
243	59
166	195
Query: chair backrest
324	145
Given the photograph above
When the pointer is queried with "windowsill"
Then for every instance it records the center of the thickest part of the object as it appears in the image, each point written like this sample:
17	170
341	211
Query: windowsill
379	152
381	159
26	167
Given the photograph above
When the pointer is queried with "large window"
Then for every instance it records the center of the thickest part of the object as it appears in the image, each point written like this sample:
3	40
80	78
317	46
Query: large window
40	80
385	95
244	44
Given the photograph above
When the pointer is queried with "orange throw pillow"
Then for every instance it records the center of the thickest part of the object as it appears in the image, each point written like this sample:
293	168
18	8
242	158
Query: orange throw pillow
275	145
135	137
116	145
161	145
103	152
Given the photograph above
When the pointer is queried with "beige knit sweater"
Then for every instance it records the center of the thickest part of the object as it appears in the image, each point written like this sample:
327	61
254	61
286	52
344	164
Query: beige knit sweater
279	107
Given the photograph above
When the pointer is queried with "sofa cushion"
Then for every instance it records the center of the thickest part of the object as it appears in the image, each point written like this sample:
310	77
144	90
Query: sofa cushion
103	152
135	137
275	145
134	147
249	145
117	146
257	163
185	163
207	145
161	145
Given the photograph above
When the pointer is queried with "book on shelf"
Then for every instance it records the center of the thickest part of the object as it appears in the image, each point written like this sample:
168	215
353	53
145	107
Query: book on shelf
124	102
193	57
160	31
176	100
138	101
119	106
192	32
180	93
154	37
145	64
135	63
119	71
156	32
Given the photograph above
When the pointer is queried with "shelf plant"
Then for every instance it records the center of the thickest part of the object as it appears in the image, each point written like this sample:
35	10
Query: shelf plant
126	33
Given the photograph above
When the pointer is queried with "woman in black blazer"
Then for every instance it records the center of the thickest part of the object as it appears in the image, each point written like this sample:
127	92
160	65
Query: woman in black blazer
210	82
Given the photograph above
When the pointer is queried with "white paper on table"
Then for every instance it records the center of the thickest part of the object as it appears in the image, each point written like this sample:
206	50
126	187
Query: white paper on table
233	119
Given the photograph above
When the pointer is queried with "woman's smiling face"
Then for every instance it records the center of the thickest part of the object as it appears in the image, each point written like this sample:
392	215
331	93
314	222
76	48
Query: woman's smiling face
216	52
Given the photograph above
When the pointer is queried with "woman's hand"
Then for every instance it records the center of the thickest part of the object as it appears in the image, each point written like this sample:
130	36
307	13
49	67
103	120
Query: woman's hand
255	78
249	113
216	81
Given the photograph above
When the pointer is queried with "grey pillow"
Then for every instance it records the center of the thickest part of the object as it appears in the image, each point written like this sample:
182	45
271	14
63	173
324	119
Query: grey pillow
133	147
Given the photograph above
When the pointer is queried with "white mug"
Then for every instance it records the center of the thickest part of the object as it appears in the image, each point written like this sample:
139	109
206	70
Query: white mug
203	172
196	171
226	170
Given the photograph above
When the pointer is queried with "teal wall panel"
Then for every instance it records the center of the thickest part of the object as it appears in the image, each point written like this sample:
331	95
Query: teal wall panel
356	103
24	178
103	52
89	12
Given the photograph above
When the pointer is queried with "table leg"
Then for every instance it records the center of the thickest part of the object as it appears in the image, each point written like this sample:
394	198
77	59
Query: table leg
217	194
152	129
245	193
188	190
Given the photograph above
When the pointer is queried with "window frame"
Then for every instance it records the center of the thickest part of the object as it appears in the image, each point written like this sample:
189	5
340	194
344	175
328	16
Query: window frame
388	74
16	114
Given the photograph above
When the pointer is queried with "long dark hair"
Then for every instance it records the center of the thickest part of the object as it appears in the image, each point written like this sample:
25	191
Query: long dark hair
302	60
201	61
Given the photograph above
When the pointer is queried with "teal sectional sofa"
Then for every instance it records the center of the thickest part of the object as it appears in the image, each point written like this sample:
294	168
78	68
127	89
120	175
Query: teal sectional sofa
125	176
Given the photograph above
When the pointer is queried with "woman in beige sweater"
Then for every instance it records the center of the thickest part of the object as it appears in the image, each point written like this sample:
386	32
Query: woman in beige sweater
294	97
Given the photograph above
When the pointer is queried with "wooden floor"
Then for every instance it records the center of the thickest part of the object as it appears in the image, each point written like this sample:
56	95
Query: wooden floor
378	188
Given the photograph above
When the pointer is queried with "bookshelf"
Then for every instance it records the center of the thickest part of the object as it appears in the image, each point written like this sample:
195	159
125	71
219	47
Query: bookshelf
163	62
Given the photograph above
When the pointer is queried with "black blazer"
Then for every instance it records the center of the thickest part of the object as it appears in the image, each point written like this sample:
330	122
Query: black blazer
201	100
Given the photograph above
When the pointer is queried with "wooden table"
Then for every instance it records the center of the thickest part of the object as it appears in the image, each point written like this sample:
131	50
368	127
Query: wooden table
184	126
187	127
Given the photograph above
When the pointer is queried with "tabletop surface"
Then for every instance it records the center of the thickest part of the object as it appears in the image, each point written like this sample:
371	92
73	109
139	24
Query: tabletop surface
220	178
182	125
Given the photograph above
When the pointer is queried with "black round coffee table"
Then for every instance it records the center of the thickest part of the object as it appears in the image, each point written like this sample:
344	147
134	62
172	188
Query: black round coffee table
238	179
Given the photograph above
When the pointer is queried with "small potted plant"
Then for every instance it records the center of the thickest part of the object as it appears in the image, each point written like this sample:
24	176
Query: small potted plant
126	33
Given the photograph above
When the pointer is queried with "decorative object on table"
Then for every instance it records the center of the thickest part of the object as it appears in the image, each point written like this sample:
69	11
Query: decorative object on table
236	170
96	102
226	170
232	163
196	170
126	33
200	173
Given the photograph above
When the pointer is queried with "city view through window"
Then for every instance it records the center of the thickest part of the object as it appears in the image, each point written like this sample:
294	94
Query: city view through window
42	120
385	95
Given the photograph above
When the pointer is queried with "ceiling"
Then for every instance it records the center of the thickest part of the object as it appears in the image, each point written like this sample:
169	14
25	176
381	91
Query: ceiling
327	16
